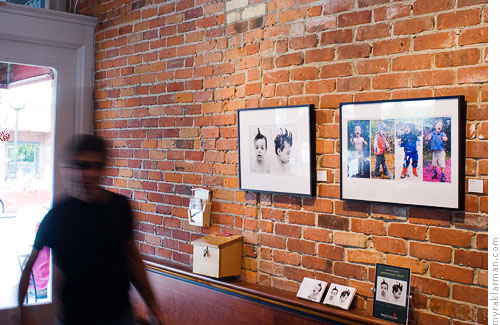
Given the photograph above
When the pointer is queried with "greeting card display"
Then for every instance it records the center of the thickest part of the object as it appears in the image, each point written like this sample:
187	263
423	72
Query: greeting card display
311	289
392	293
339	296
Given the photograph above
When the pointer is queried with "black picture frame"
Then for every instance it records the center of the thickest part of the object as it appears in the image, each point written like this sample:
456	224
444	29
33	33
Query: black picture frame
380	138
267	161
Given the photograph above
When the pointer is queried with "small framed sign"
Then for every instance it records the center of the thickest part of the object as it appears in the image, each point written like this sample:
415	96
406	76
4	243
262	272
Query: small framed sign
392	293
311	289
339	296
405	151
276	149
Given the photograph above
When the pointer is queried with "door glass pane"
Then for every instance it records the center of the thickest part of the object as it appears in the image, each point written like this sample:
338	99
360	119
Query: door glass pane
26	174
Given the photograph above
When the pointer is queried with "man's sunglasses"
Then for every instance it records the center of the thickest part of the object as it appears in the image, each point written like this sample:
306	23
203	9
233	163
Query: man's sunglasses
83	165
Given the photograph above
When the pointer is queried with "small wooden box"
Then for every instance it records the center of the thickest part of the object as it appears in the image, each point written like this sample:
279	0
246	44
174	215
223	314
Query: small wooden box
217	256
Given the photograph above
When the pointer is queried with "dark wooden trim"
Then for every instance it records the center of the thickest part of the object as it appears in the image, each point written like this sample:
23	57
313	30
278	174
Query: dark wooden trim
269	296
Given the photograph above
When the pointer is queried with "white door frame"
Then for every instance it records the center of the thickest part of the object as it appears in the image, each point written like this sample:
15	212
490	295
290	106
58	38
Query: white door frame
65	42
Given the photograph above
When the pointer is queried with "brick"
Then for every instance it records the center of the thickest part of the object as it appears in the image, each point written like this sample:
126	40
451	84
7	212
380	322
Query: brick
472	74
431	217
316	263
318	205
336	37
364	256
373	66
301	246
286	257
451	309
319	235
459	18
303	42
407	231
336	6
412	62
431	286
426	318
434	41
302	218
389	245
452	273
433	78
421	7
352	209
482	241
369	227
391	81
478	296
287	230
353	84
353	51
391	12
325	54
335	70
307	73
350	270
354	18
430	252
349	239
416	266
391	46
331	252
369	32
271	268
297	274
471	258
413	26
272	241
333	222
473	36
457	58
289	60
450	237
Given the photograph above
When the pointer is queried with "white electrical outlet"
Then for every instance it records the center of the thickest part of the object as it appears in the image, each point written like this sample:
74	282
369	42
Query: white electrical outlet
321	176
475	186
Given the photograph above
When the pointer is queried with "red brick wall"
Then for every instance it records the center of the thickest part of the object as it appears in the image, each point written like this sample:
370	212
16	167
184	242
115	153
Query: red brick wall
170	76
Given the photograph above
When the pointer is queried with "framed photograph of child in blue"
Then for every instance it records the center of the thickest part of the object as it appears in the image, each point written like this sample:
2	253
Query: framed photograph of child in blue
404	151
276	149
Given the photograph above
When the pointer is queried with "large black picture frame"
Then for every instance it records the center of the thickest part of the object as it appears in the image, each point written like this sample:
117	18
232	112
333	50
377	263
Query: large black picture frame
390	149
267	161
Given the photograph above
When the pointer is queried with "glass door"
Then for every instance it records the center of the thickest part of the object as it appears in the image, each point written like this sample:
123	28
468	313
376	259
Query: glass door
26	174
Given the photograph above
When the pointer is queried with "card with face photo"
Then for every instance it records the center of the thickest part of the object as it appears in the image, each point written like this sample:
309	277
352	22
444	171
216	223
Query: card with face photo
311	289
339	296
391	297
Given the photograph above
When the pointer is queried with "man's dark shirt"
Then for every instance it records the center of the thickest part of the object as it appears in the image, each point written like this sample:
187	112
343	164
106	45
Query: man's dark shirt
88	242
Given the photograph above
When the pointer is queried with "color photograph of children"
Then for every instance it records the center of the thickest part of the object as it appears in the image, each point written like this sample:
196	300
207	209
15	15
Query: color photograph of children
408	153
358	160
382	150
437	150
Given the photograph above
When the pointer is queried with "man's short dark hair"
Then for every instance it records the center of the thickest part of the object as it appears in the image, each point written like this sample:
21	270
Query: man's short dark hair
81	143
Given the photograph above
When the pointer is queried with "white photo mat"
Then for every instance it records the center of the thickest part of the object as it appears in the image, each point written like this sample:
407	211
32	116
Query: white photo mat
267	161
408	191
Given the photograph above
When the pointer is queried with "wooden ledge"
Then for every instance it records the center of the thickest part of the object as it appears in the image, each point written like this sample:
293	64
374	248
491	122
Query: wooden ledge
272	296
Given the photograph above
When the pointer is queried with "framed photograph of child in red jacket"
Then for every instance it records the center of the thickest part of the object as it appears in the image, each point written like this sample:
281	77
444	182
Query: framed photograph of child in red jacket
404	151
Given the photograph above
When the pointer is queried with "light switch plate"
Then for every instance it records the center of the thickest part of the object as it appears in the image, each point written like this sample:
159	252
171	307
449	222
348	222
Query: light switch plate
321	176
476	185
